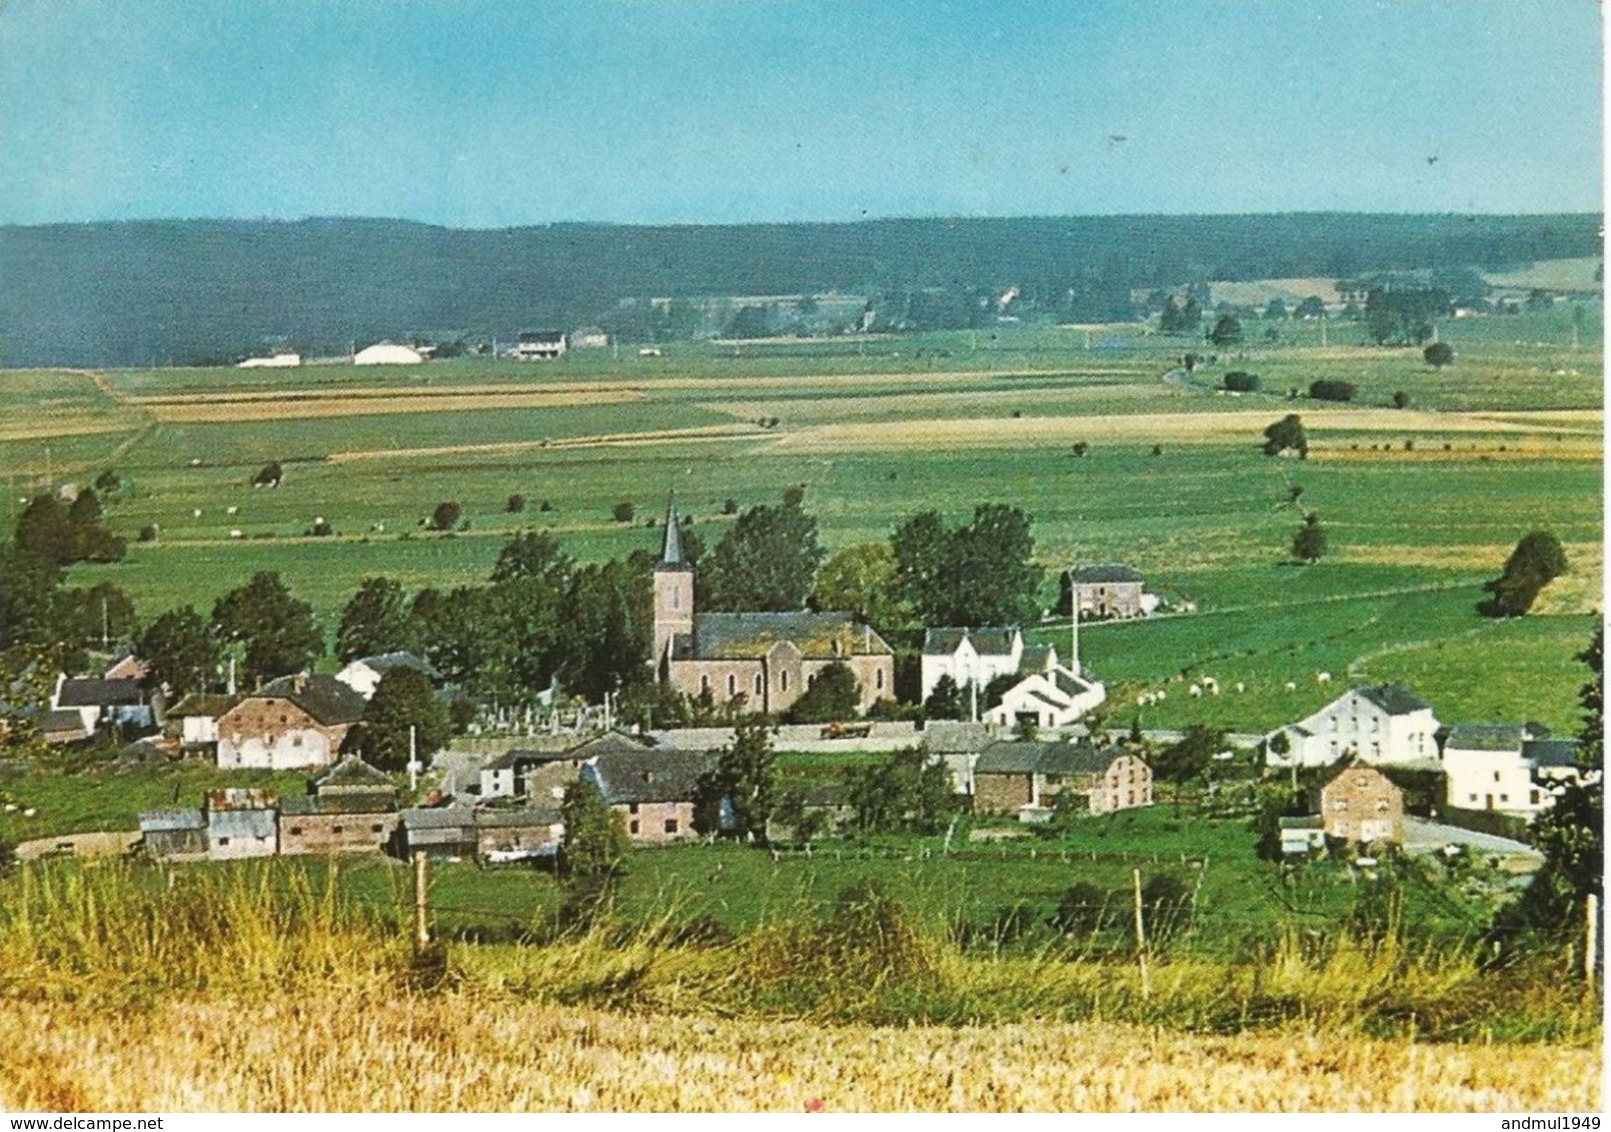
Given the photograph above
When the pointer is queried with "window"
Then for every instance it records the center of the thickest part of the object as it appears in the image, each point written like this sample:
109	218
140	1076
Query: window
671	825
223	841
783	680
1361	780
633	829
760	683
1473	797
1335	723
335	829
1496	776
1504	797
296	829
633	808
878	679
704	683
676	596
732	685
1532	797
377	829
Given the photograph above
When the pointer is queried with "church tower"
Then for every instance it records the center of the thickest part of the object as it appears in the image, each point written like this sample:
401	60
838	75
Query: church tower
673	589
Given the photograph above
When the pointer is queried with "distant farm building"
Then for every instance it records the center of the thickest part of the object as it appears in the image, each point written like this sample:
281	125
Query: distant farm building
1361	805
388	354
286	359
1110	590
1025	778
589	338
1382	724
540	345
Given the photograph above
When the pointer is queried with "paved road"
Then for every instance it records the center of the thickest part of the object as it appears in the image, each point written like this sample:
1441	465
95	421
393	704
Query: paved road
1421	836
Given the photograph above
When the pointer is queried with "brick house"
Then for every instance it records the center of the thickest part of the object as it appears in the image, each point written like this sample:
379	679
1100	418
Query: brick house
1361	805
653	791
769	659
350	808
1019	777
289	723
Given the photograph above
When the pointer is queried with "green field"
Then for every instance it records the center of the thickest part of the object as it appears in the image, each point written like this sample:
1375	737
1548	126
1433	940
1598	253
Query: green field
1422	505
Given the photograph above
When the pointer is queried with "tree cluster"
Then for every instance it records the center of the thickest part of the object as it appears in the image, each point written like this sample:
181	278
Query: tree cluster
1240	381
35	608
767	560
1537	560
906	792
1331	389
1284	434
1402	315
980	573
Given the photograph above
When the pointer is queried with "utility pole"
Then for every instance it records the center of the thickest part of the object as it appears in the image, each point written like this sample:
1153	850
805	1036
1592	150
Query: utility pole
1590	937
413	761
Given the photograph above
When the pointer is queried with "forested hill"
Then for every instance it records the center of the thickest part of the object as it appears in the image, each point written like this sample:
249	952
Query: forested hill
181	291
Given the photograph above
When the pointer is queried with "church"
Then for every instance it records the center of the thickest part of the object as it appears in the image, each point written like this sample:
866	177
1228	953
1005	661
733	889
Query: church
769	659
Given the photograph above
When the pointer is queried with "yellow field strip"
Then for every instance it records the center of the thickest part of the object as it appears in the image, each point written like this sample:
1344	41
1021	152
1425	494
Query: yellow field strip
1218	427
289	410
402	391
612	440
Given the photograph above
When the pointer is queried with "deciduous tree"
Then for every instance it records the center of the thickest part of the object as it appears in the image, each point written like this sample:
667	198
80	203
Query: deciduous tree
377	620
403	700
278	631
1537	560
180	651
767	561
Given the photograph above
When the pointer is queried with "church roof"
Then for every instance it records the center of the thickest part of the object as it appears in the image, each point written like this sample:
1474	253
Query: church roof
747	636
671	546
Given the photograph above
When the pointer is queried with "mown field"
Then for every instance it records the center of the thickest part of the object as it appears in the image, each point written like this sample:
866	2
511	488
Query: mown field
1421	504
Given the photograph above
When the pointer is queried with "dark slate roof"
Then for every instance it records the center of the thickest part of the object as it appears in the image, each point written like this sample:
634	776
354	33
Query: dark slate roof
747	636
541	336
1012	756
1551	752
626	777
1106	572
325	698
988	640
609	743
517	817
386	661
91	692
439	817
945	737
353	771
671	545
1486	737
1017	756
203	704
168	821
1035	658
1394	699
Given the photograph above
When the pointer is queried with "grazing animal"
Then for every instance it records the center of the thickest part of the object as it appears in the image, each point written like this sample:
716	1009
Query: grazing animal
1195	691
231	510
1323	678
1240	687
195	513
235	532
1291	687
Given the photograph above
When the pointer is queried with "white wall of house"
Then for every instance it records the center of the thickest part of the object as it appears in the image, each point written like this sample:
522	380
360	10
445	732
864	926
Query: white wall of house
360	678
1501	781
1354	723
198	729
1039	696
967	665
289	750
498	782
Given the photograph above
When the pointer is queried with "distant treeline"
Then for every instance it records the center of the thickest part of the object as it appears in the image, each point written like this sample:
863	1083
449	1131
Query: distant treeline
127	294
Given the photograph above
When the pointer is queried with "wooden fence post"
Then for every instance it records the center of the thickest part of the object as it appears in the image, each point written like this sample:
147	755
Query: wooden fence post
1141	938
1590	932
422	899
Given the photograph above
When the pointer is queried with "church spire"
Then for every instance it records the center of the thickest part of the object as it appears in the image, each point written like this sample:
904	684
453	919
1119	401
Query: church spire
671	549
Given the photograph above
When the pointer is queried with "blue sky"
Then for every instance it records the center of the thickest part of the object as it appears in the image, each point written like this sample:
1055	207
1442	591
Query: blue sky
485	113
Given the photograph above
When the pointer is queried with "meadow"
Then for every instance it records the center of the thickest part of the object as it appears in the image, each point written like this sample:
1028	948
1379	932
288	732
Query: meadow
1421	504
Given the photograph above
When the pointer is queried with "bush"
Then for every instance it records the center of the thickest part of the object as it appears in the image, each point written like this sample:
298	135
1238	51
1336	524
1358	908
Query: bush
1084	909
269	475
1165	909
730	507
545	506
148	533
446	516
1240	381
321	529
1438	355
515	504
624	512
1330	389
1401	400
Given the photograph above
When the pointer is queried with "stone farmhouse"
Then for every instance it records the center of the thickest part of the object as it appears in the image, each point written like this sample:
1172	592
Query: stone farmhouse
541	776
1382	724
241	823
352	807
1025	778
1110	590
769	659
1362	806
1506	768
653	791
289	723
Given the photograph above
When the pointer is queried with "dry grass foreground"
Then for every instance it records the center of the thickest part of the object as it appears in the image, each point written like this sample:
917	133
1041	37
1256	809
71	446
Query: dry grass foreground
458	1052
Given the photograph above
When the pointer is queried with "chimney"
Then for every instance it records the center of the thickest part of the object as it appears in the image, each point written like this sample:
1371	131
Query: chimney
299	682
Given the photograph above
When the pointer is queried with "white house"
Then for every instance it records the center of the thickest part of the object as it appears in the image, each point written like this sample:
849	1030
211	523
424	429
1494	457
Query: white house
289	723
1383	723
1055	697
388	354
540	345
363	675
970	656
1508	768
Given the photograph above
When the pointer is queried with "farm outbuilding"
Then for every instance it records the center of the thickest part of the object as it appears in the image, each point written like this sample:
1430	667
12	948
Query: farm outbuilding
387	354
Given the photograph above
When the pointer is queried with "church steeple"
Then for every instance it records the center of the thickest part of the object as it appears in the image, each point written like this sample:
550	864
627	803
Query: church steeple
671	549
